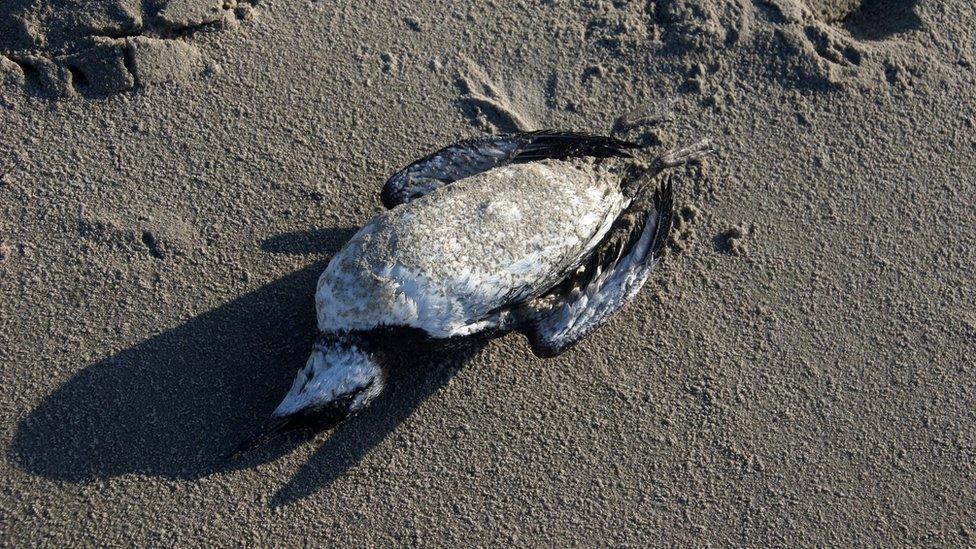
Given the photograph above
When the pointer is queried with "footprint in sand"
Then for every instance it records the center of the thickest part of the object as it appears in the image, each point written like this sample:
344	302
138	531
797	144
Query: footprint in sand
66	48
489	105
868	19
819	44
828	43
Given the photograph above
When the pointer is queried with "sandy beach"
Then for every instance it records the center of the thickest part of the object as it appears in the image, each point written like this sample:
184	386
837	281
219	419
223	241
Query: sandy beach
799	369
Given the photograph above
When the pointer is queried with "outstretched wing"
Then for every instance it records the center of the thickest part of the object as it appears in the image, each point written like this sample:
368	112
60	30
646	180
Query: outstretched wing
473	156
608	278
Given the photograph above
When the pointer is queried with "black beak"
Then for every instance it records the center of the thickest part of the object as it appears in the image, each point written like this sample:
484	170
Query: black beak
271	429
319	420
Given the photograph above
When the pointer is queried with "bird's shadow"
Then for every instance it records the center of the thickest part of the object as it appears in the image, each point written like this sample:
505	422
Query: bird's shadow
317	241
408	387
173	405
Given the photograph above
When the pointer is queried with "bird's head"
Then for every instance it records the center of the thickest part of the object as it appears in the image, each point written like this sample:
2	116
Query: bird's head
339	379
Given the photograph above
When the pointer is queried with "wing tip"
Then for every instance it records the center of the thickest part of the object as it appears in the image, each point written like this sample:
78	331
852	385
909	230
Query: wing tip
548	143
664	210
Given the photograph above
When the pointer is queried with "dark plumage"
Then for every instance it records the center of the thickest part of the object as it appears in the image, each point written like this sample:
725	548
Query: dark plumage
473	156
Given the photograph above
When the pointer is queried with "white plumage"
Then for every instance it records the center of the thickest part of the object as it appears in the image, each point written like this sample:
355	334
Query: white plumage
448	261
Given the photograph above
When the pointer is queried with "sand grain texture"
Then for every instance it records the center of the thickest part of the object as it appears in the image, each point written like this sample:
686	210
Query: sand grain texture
798	371
97	48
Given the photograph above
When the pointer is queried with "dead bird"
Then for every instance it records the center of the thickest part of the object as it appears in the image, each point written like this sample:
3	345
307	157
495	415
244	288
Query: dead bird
511	233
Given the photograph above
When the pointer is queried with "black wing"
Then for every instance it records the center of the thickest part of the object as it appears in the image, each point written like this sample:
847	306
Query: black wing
474	156
607	279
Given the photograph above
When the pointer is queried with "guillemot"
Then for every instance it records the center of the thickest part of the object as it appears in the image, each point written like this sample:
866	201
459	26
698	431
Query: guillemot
546	233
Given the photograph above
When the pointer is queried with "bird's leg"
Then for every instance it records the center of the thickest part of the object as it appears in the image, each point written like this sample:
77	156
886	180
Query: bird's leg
678	157
640	174
648	115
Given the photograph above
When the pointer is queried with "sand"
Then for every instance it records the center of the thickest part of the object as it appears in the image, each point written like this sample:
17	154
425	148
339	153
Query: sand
800	369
